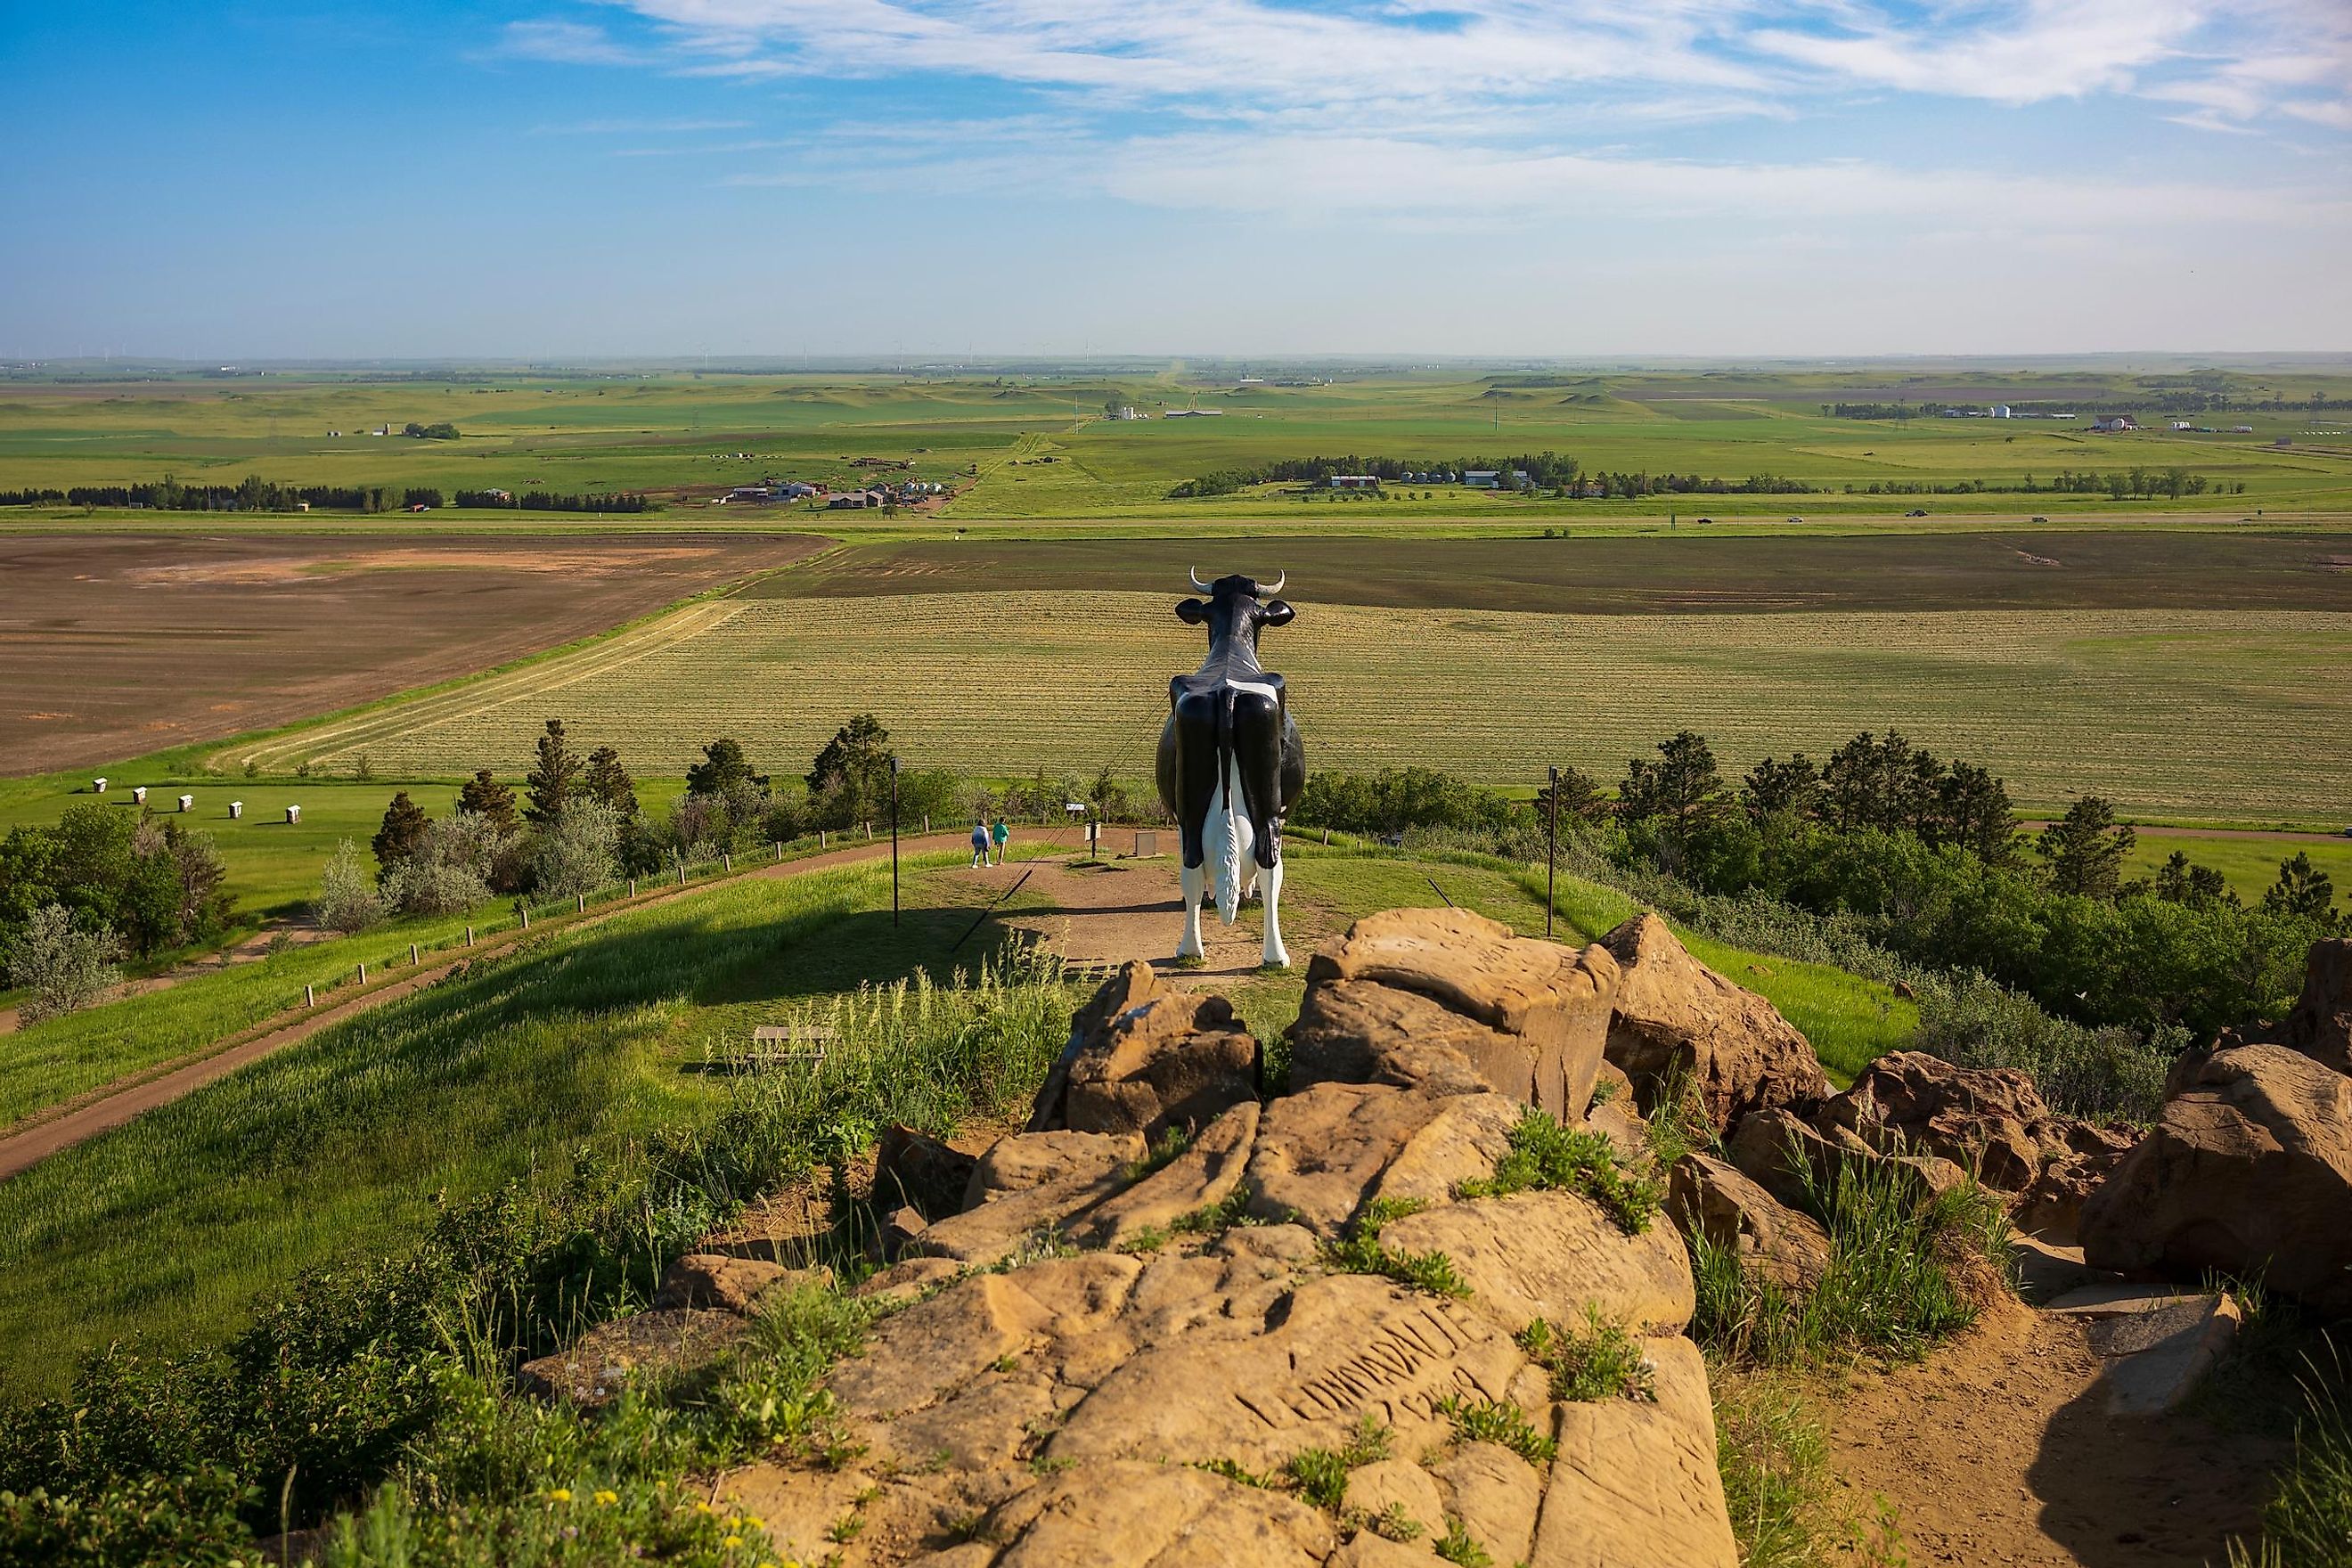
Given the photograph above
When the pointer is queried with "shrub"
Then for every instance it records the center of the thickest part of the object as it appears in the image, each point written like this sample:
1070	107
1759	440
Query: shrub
61	968
449	867
1606	1361
1362	1252
1497	1421
578	852
1545	1156
348	899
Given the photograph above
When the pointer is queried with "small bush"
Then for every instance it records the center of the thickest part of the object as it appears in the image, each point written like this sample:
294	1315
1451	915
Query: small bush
1456	1547
348	899
1362	1252
1603	1362
60	968
1497	1421
1545	1156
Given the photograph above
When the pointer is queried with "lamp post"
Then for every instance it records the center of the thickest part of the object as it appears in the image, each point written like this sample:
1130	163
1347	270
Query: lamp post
893	839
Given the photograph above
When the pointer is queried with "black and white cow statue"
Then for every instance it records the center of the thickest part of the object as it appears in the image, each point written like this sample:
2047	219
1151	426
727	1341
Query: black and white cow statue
1230	759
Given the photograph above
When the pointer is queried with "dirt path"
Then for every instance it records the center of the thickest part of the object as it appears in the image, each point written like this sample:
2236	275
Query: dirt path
1998	1450
1102	914
248	949
62	1127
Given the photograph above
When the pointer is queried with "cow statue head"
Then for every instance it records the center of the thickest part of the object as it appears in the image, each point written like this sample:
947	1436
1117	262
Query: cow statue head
1235	605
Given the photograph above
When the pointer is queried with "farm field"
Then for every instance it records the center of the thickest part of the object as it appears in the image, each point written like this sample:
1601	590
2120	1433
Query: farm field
2220	714
1614	573
117	645
1036	447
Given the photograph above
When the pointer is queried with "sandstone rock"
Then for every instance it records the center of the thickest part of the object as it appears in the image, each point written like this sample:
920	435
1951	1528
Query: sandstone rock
1710	1198
1015	1222
1626	1132
2320	1027
1204	1175
1328	1352
1552	1255
1496	1495
1403	1485
971	1555
607	1357
1552	1004
799	1507
2248	1171
1318	1153
1460	1143
1675	1019
729	1283
1175	1061
1991	1120
1370	1551
1783	1154
909	1279
1154	1516
1355	1032
935	1345
913	1169
2050	1207
1635	1484
1143	1057
1031	1160
1134	984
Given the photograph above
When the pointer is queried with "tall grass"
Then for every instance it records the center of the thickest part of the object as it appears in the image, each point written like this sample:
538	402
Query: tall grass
2308	1524
393	1361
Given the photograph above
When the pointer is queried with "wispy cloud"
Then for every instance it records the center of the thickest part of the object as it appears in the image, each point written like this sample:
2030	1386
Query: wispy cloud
568	43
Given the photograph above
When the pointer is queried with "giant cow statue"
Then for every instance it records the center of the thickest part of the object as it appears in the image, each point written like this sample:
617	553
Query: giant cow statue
1230	760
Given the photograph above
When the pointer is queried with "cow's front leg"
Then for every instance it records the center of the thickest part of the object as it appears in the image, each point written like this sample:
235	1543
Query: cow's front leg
1195	881
1270	879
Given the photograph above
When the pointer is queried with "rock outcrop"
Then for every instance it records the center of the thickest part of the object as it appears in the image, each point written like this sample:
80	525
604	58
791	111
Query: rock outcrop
1990	1121
1449	1002
1676	1022
2249	1171
1784	1244
1112	1356
1144	1057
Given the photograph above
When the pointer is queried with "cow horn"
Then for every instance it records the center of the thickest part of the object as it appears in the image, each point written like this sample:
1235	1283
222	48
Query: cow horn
1194	574
1278	581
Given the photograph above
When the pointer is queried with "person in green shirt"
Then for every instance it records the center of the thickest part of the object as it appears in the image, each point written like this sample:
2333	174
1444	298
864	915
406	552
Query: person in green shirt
997	831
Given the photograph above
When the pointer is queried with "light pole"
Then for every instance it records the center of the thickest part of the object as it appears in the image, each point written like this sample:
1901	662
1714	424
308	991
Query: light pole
894	840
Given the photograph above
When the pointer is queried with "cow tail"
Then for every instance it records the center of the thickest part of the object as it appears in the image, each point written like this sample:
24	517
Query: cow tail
1225	843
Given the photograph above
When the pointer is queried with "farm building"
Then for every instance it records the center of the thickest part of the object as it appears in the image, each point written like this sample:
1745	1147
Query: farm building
2241	429
2001	411
1492	478
1355	481
2111	423
847	498
1194	414
2182	424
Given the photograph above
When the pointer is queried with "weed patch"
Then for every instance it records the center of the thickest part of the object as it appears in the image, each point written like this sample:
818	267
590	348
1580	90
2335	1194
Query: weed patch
1545	1156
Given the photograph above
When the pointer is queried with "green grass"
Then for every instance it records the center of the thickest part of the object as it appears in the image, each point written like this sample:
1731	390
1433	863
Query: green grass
2250	865
347	1142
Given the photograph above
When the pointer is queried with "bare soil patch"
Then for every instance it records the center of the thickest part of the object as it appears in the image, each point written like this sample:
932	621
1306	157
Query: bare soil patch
114	645
1998	1448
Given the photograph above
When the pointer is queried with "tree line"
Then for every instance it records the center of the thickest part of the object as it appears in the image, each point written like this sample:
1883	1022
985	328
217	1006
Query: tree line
254	493
1924	855
1544	470
2179	401
2138	483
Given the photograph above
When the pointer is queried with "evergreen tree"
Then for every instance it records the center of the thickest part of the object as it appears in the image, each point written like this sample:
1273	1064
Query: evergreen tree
1972	810
403	832
723	769
1683	784
2303	891
2180	881
609	784
484	796
2086	848
1581	799
854	769
550	786
1773	787
1885	783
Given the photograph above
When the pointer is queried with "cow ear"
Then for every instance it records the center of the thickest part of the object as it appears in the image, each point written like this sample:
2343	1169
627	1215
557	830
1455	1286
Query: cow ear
1278	613
1193	612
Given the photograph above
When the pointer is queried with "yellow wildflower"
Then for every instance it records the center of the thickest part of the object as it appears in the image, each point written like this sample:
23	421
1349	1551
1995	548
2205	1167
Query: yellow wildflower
559	1494
607	1499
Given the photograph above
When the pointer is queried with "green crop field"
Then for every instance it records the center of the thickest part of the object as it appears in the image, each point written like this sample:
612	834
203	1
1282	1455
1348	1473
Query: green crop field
1036	447
2215	713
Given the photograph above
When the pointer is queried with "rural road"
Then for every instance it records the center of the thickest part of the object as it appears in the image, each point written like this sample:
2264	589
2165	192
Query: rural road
110	1107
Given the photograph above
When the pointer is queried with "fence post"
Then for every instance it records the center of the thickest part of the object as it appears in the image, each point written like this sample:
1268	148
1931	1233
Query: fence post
821	842
633	887
1326	835
681	873
526	915
727	859
310	997
411	956
470	936
779	851
582	908
363	973
927	822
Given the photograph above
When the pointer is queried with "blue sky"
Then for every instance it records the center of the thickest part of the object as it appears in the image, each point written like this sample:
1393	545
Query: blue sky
926	179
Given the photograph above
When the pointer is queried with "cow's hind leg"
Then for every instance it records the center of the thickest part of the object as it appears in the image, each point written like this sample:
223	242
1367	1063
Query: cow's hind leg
1195	880
1257	767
